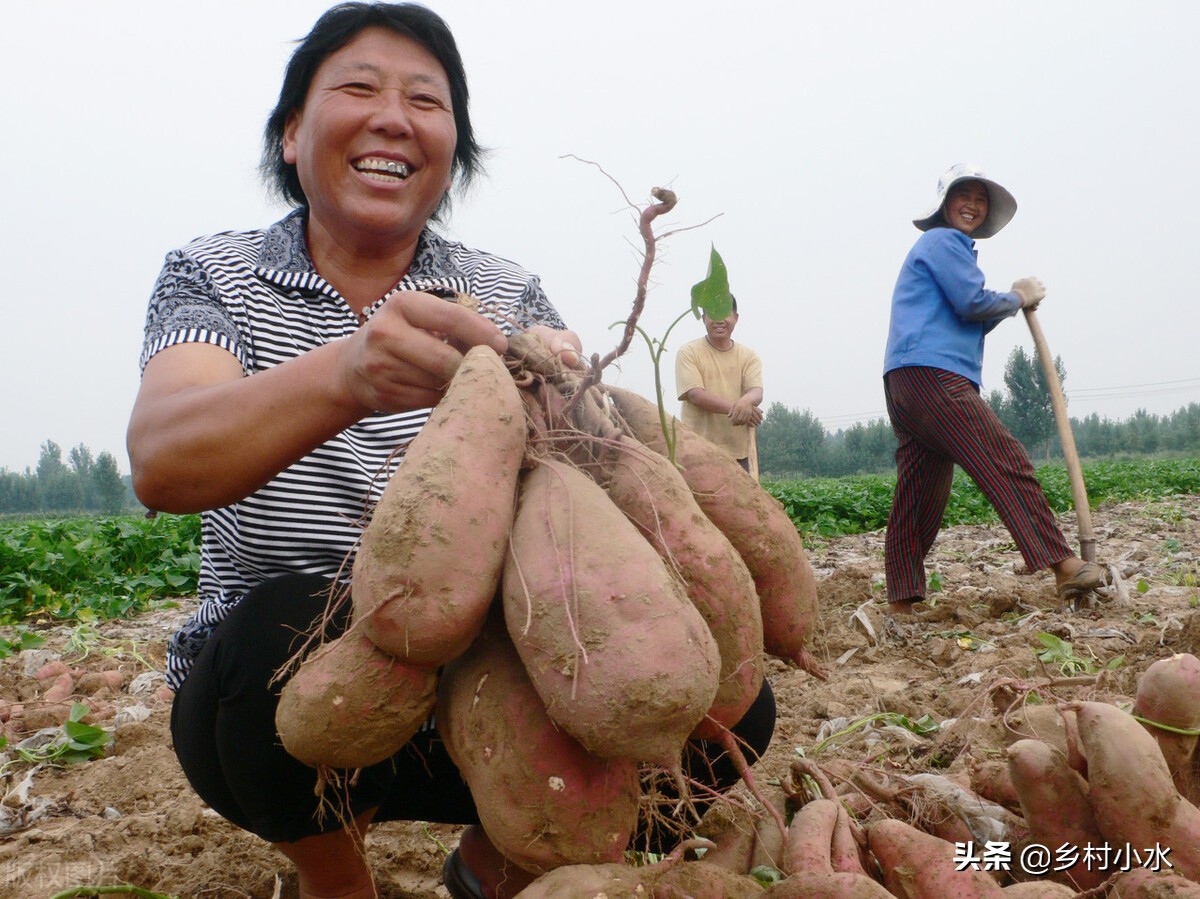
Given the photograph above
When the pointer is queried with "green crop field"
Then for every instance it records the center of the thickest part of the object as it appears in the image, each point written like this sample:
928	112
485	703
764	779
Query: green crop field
852	505
81	569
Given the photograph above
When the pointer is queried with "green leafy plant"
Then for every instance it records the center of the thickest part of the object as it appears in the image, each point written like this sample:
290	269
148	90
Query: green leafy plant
88	569
83	892
922	727
79	743
20	639
1061	654
834	507
710	295
766	875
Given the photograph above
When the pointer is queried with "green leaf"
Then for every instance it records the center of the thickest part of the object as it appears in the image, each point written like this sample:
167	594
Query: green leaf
766	875
712	294
1142	586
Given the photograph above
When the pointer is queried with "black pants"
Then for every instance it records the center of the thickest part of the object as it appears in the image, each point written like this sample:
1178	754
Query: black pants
223	727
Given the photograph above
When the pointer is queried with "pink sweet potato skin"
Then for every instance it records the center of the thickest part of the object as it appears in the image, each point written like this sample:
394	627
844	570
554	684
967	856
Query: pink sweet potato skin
588	882
1054	802
1038	889
1130	788
810	838
543	799
619	655
826	885
430	559
350	705
1168	693
920	866
1142	883
654	496
753	521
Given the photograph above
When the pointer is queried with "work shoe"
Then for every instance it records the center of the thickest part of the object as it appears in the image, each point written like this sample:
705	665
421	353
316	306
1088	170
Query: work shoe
1089	576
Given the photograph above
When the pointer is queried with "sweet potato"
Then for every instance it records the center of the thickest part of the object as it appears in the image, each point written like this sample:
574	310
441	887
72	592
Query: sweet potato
60	689
1142	883
619	655
826	885
810	838
430	559
1038	889
754	521
668	879
350	705
655	497
990	779
1054	802
588	882
1130	788
678	879
917	865
845	853
1168	706
543	799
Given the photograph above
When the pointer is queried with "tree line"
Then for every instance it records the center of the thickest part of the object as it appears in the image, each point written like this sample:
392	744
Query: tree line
794	443
80	483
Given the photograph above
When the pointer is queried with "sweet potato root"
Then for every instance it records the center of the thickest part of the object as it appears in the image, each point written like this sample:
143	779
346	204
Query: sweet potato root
826	885
543	799
619	655
1142	883
1038	889
350	705
588	882
1168	706
671	878
430	559
1130	788
1054	802
655	497
753	521
810	838
917	865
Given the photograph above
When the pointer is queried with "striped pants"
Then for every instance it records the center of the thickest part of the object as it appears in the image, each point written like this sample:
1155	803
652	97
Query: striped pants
940	420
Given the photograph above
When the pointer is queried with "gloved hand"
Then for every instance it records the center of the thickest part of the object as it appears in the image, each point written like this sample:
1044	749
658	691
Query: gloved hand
1031	291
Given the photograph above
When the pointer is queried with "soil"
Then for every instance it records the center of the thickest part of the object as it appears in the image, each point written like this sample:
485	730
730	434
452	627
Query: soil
131	818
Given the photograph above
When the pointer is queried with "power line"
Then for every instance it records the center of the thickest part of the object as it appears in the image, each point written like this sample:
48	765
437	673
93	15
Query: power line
1121	387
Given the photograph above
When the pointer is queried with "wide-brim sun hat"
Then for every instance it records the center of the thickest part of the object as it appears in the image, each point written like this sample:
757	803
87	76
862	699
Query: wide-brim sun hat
1002	206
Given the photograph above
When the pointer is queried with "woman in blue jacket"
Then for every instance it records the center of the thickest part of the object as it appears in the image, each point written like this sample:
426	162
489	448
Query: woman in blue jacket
941	312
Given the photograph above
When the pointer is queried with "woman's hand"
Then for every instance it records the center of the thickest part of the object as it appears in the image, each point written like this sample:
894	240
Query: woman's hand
405	354
1031	291
565	344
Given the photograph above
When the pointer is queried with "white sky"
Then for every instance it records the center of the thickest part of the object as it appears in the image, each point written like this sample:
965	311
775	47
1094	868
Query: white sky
815	130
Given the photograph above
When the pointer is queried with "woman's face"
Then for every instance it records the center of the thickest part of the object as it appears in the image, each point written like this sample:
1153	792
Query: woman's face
966	206
374	142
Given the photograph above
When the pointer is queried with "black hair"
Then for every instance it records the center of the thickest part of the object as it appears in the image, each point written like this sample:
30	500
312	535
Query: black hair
334	30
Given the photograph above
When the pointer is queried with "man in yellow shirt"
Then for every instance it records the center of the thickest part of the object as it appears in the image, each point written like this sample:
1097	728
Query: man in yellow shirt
720	385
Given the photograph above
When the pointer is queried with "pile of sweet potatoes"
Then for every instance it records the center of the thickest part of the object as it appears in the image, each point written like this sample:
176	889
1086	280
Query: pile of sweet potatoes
1108	793
570	605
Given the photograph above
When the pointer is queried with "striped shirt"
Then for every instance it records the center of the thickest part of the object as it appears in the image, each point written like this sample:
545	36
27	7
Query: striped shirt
258	295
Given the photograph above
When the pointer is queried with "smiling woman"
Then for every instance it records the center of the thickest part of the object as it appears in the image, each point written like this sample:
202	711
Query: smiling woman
374	143
284	372
941	313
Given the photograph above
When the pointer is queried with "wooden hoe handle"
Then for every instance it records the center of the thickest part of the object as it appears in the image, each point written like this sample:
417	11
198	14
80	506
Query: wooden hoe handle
1083	511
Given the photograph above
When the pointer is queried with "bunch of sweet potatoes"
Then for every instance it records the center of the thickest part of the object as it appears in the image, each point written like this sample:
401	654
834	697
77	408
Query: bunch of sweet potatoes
631	600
